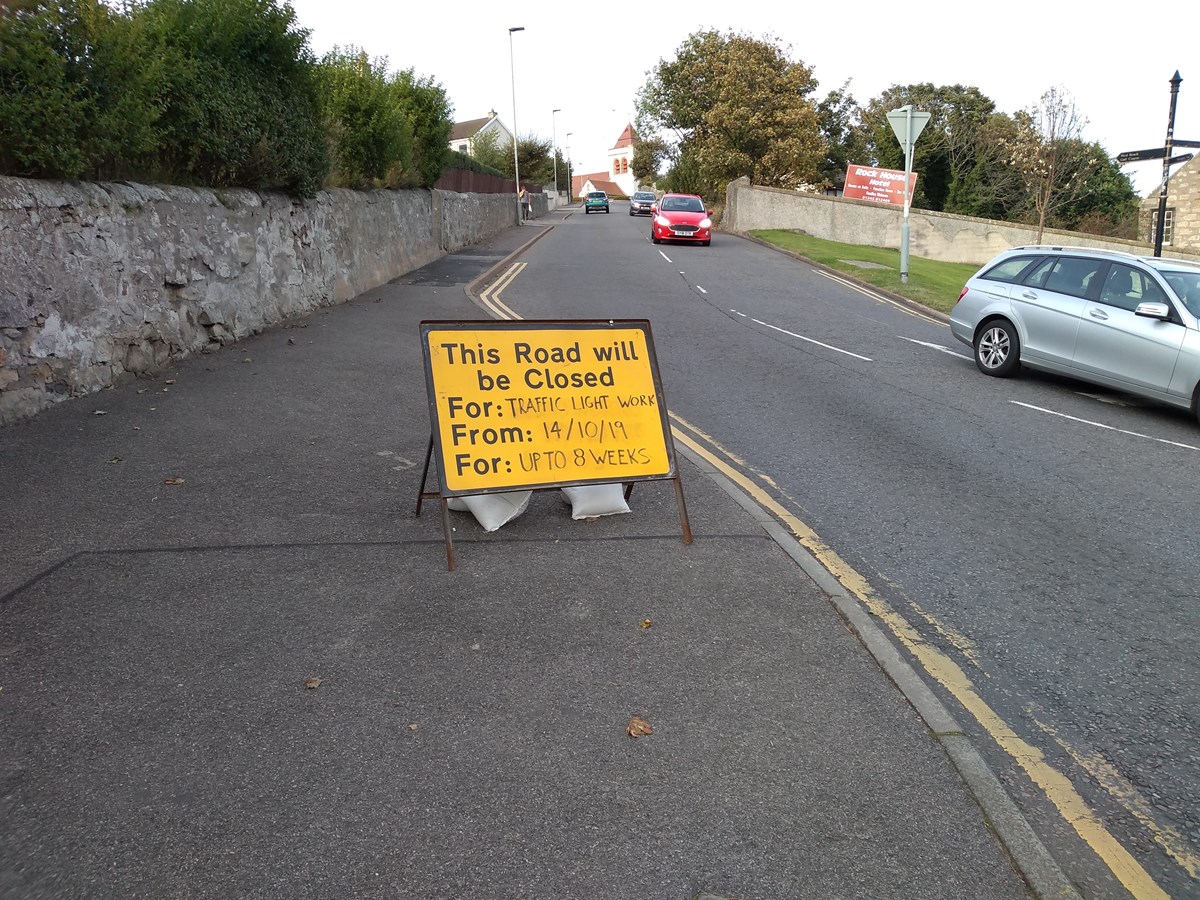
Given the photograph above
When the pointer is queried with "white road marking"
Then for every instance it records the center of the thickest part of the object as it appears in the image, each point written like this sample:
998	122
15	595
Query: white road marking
801	337
667	258
879	297
1105	427
701	290
935	347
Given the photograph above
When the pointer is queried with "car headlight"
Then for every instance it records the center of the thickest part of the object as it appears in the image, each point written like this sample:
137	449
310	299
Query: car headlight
706	223
663	221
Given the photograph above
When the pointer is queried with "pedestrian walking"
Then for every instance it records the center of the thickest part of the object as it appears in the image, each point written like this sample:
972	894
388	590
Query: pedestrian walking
524	203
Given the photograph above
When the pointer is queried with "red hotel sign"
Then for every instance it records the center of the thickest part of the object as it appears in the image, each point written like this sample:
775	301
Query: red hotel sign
879	185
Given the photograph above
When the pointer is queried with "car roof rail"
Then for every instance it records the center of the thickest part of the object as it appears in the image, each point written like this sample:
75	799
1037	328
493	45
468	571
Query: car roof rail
1077	249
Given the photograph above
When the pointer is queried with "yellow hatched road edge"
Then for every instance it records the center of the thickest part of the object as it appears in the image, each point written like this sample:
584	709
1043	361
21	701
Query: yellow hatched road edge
1056	786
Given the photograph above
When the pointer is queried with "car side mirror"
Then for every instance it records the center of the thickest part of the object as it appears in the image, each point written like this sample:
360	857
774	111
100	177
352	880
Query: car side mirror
708	212
1153	310
654	208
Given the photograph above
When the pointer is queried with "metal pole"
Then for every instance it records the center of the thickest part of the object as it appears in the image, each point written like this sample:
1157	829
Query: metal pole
554	141
570	180
512	68
1166	175
908	144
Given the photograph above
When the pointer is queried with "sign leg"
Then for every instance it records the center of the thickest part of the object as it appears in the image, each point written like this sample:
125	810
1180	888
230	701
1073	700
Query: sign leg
451	564
683	516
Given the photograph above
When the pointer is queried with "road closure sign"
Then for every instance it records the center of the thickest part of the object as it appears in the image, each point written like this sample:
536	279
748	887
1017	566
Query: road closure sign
532	404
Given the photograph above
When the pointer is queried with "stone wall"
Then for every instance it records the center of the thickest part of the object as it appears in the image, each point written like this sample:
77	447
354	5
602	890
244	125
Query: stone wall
932	235
99	280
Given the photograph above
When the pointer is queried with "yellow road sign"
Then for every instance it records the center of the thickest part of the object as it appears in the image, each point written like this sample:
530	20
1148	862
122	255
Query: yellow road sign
534	404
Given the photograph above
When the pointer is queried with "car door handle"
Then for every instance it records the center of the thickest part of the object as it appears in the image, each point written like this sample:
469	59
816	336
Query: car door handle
1098	314
1029	295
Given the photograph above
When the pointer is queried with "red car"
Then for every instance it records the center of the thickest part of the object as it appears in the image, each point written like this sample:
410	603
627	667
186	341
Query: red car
681	217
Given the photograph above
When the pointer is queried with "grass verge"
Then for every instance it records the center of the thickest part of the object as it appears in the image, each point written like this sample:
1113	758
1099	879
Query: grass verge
930	283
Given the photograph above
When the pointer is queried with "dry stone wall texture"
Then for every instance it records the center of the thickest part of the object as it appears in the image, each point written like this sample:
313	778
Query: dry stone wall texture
101	280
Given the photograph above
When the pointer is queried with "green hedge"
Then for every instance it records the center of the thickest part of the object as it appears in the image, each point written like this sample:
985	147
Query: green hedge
206	92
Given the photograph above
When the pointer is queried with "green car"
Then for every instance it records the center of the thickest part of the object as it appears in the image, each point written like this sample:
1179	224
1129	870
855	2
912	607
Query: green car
595	201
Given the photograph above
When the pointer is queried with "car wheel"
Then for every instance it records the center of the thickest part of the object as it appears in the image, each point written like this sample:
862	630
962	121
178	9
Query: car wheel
705	243
654	238
998	349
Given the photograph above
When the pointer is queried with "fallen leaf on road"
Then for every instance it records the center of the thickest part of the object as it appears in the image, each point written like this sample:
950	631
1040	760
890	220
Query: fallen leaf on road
646	623
115	459
176	480
143	390
312	683
99	412
412	726
169	381
638	727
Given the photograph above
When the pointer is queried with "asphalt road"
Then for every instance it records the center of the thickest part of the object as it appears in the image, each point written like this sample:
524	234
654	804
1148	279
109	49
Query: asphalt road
233	661
1038	534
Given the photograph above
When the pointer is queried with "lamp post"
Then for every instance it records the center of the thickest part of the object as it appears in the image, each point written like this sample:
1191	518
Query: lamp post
554	141
512	69
570	179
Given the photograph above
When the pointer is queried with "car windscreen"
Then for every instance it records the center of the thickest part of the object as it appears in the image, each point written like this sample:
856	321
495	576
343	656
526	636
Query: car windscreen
682	204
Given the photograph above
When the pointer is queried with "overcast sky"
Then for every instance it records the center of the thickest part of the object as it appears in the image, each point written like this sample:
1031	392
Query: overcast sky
590	60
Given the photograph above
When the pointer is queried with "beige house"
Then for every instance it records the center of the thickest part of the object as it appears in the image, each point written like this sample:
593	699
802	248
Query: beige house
1181	224
464	134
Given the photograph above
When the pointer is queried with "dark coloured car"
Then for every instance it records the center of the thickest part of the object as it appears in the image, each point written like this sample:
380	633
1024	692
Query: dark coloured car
681	217
595	201
642	203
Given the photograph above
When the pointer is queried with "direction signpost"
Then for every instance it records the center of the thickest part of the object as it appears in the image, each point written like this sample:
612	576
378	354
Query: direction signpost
1163	153
907	124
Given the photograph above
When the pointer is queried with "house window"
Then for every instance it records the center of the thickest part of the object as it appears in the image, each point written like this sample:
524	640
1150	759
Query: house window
624	166
1168	226
616	167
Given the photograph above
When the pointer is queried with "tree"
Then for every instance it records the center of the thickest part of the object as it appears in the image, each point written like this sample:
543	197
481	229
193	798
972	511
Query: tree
846	142
238	94
487	149
1047	152
735	105
650	155
537	165
430	117
368	135
948	146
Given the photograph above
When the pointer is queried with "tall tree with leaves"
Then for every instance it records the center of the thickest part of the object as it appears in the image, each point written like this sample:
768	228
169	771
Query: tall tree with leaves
845	139
948	145
735	106
1048	153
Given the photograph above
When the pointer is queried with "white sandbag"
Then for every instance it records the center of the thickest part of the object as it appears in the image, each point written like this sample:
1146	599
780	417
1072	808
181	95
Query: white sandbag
492	510
591	500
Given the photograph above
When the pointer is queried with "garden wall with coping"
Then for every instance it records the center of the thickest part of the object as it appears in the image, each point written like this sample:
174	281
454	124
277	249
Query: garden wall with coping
932	235
102	279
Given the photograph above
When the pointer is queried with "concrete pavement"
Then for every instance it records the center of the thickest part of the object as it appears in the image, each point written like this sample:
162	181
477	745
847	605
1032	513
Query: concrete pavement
233	663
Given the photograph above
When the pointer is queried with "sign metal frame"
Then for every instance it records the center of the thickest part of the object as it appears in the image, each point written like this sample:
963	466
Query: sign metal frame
662	460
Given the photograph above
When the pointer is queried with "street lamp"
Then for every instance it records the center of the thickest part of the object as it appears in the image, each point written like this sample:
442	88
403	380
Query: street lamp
570	180
512	68
554	141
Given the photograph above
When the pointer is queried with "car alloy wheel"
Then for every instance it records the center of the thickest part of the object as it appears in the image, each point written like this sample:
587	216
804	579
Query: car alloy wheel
997	349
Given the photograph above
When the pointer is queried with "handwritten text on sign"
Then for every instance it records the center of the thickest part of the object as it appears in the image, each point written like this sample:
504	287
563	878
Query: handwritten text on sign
533	406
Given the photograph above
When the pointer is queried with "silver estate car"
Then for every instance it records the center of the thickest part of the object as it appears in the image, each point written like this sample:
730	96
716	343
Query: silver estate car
1130	323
